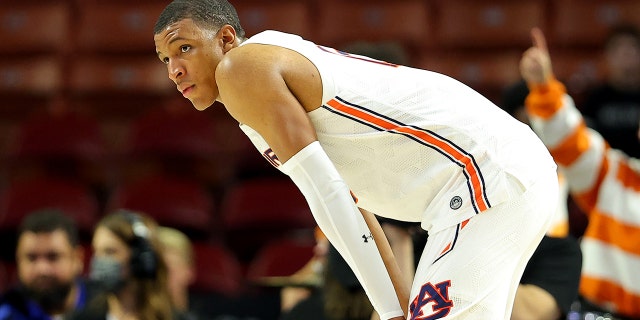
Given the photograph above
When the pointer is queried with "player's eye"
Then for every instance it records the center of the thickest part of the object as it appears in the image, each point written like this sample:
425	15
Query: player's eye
165	60
185	48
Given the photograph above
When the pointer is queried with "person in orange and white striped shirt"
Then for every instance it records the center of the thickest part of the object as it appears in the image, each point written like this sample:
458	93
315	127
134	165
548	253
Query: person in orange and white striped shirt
604	182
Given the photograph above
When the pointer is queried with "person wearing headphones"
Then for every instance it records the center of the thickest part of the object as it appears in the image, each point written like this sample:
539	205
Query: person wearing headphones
128	264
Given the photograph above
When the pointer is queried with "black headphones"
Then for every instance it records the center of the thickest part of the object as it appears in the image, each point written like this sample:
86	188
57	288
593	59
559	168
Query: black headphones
144	260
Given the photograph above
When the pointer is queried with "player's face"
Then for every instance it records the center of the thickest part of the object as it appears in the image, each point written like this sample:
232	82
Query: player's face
47	261
191	54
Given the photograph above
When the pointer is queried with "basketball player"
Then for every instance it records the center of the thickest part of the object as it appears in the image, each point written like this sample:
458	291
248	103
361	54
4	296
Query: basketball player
355	134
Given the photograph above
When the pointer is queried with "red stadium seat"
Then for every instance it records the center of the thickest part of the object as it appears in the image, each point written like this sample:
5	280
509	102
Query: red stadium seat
579	70
280	258
130	74
163	132
171	201
487	72
217	270
587	23
265	203
258	210
66	135
71	197
33	75
202	145
286	16
463	23
342	22
34	27
28	83
107	26
67	144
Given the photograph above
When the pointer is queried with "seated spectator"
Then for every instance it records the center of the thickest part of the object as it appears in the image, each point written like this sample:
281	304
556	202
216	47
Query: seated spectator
177	253
49	262
127	263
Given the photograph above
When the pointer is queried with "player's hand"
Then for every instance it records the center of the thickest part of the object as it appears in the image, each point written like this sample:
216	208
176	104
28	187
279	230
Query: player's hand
535	65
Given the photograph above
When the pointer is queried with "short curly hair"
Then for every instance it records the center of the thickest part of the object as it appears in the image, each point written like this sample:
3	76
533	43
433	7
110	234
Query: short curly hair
211	14
50	220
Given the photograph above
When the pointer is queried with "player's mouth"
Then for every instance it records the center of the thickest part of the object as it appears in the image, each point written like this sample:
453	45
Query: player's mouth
187	90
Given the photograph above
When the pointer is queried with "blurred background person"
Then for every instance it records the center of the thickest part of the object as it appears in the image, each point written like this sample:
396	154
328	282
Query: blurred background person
50	264
127	262
177	252
613	107
604	182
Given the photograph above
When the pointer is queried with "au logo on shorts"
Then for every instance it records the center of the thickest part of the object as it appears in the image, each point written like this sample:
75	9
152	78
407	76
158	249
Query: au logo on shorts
432	302
455	203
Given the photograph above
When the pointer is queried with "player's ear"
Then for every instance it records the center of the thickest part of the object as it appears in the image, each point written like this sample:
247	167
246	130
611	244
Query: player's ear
228	37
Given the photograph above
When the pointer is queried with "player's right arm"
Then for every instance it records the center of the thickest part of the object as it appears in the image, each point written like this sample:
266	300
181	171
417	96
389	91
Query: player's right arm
255	84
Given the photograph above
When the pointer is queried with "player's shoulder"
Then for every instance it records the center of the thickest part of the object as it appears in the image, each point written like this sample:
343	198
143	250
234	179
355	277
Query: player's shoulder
255	61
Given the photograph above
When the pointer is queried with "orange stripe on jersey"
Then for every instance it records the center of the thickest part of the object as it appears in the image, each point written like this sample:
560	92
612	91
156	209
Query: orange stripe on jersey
464	223
614	232
602	292
572	146
628	177
428	138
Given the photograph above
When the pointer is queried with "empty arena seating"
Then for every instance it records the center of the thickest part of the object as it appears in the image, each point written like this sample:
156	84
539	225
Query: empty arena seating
112	26
279	258
29	83
34	27
119	74
586	23
255	211
342	22
217	270
20	198
172	201
31	75
64	144
486	72
484	24
286	16
578	69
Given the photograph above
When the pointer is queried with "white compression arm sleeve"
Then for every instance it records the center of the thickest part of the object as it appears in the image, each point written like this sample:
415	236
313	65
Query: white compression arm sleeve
338	217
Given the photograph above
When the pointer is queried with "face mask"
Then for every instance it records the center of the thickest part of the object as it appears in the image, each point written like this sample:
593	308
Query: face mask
107	272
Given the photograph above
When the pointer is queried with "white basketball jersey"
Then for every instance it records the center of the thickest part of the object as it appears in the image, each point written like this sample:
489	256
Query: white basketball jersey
413	145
